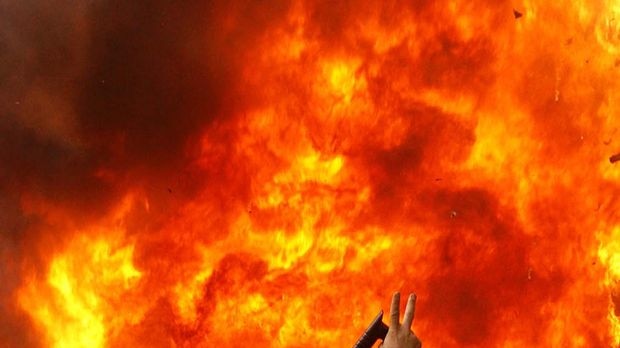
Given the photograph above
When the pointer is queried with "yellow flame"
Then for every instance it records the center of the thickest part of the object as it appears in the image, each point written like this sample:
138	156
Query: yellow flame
609	254
312	167
189	293
342	80
70	306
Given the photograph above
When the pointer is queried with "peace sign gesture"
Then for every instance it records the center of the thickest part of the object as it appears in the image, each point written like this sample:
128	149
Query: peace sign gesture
400	335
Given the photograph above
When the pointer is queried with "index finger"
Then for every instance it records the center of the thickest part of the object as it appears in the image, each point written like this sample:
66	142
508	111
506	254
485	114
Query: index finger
409	312
394	311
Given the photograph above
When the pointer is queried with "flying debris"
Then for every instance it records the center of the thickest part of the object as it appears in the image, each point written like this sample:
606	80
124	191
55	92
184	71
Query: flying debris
517	14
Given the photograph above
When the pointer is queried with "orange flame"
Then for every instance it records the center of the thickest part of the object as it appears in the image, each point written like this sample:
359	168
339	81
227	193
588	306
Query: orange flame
446	148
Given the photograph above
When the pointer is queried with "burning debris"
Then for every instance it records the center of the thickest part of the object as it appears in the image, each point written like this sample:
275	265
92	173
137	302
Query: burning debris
614	158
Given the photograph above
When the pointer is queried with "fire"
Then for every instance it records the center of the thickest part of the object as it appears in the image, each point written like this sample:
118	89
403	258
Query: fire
270	178
609	254
342	80
75	305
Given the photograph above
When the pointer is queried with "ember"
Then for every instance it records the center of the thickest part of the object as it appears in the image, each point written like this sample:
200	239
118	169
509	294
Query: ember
204	173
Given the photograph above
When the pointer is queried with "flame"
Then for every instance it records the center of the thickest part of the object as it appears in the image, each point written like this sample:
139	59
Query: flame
609	254
444	148
75	305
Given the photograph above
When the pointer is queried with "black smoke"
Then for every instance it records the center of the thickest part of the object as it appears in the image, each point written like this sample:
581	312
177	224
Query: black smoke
101	95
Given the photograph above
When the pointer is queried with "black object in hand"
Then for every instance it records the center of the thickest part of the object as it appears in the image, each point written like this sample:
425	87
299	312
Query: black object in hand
377	330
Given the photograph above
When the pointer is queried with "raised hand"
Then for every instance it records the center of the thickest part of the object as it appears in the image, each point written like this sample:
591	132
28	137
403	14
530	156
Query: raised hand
401	335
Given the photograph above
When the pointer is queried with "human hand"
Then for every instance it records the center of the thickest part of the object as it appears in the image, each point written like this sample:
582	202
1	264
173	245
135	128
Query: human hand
401	336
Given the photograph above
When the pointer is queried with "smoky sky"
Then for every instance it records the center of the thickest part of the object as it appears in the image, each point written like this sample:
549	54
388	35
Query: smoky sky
116	86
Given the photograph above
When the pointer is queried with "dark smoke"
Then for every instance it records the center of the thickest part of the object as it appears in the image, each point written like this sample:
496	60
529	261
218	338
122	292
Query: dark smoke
105	86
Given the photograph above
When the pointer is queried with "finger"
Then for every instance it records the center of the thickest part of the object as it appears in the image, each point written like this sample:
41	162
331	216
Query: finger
409	311
418	343
394	311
